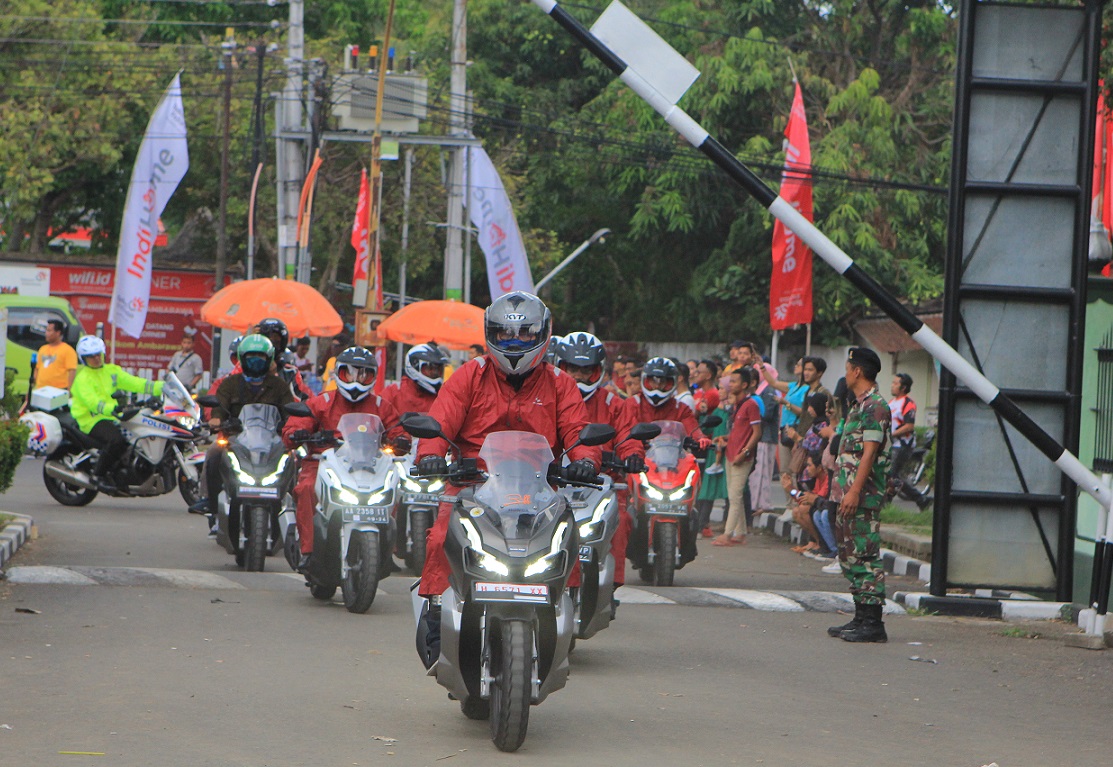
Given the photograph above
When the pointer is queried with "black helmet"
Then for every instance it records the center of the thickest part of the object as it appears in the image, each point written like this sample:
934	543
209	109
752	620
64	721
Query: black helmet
518	326
234	349
583	350
659	380
355	372
425	356
271	326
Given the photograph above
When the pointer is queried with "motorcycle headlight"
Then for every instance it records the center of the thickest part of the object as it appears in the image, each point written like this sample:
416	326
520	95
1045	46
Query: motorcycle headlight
554	558
241	476
270	479
685	489
487	561
411	485
590	528
436	486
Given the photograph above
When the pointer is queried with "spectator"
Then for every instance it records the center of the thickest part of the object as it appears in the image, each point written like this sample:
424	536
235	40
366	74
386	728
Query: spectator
56	364
476	350
863	465
741	447
336	345
810	501
633	379
764	360
714	484
704	381
761	478
792	400
683	389
619	369
185	363
301	356
692	365
903	411
741	354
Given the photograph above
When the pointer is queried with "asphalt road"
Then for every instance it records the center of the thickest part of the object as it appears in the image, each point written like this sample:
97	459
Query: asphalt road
249	670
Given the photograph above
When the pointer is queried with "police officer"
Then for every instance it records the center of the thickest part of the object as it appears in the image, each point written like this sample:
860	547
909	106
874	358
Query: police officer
862	469
94	409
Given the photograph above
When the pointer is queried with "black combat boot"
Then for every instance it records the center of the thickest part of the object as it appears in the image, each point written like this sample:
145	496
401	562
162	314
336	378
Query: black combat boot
871	629
835	631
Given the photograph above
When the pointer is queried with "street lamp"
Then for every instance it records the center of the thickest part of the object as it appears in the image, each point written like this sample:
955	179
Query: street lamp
597	237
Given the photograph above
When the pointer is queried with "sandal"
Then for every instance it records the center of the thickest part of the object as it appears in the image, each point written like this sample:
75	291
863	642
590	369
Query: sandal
722	540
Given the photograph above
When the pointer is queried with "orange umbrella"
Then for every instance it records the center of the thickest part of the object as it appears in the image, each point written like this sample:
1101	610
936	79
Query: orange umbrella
241	305
449	323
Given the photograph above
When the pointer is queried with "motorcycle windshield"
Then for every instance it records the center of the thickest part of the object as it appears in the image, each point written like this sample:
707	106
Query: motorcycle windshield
517	489
665	450
362	435
260	432
177	401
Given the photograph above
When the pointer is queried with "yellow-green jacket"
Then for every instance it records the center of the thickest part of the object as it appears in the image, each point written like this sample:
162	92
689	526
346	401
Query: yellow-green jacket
91	394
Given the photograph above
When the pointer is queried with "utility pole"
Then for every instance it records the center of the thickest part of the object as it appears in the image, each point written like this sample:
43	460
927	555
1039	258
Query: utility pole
291	159
256	154
228	48
453	252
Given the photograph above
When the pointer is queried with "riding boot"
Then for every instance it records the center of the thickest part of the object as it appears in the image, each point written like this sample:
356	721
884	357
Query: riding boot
871	629
836	631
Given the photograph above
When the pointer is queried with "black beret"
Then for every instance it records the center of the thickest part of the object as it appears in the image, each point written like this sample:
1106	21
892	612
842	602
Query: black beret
865	358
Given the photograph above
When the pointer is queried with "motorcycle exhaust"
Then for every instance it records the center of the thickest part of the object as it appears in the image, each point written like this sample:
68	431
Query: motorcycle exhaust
69	476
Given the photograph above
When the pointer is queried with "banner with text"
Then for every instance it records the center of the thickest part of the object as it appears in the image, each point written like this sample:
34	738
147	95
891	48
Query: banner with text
361	230
161	163
498	234
790	286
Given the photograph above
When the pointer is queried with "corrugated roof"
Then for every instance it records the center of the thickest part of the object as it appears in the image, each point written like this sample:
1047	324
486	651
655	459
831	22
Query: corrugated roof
884	335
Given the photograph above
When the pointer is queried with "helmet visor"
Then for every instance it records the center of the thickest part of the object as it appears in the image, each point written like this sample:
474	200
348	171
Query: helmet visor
352	374
515	342
431	369
582	373
658	383
254	364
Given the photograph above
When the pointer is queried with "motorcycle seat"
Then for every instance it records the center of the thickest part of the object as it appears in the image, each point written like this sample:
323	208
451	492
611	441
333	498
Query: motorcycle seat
74	433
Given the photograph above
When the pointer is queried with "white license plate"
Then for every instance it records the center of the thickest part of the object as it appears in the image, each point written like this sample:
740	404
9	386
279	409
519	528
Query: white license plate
669	509
374	514
585	553
535	593
247	491
421	498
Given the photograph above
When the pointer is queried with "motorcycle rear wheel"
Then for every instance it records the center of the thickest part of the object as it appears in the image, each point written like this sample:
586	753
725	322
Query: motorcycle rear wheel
664	565
258	525
419	527
511	690
67	495
362	581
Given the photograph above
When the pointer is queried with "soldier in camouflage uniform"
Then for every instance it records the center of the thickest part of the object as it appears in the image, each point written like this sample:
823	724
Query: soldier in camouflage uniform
863	468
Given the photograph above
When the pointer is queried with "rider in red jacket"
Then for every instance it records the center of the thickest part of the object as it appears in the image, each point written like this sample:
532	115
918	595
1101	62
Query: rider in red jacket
355	377
417	392
509	388
583	356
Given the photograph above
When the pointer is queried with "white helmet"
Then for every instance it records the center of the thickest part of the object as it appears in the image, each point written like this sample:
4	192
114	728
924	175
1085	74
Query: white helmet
659	380
416	360
89	346
355	372
518	326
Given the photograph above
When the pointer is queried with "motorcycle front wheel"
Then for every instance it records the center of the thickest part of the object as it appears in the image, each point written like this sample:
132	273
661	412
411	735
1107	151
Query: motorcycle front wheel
664	565
67	495
512	662
189	488
362	581
258	525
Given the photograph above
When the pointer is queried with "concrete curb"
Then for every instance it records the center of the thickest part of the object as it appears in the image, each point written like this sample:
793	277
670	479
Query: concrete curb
782	526
14	535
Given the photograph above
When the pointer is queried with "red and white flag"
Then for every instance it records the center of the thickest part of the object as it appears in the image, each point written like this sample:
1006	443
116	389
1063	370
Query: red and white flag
790	287
361	233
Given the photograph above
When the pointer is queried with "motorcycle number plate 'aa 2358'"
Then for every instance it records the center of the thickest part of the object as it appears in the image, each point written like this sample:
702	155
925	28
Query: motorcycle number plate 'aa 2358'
373	514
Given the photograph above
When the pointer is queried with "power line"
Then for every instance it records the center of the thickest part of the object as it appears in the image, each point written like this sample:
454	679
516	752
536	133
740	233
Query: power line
275	24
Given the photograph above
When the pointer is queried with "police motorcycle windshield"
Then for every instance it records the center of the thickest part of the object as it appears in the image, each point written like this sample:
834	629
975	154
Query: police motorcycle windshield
177	402
259	438
362	436
517	489
666	449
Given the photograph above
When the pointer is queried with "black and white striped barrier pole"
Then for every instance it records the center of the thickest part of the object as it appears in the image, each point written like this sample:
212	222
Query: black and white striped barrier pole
831	253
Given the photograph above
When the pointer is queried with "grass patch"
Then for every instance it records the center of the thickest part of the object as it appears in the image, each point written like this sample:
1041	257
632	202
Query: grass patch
913	521
5	519
919	612
1018	632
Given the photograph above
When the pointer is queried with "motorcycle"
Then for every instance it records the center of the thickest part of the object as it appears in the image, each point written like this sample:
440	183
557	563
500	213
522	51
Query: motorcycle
415	513
507	616
597	516
254	508
352	526
662	504
909	486
162	453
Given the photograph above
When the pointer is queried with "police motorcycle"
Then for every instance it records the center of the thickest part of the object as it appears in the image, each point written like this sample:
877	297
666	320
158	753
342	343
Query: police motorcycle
254	507
416	511
352	524
597	517
662	503
506	618
162	453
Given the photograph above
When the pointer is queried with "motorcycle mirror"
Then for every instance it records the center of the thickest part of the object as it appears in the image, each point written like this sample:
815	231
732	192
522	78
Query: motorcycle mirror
297	409
596	434
644	431
710	422
208	400
422	426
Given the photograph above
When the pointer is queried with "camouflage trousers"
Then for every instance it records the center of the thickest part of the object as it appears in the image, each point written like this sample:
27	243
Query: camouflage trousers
859	542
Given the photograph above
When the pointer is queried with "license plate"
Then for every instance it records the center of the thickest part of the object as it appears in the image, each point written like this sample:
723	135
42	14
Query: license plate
585	553
373	514
433	498
534	593
246	491
669	509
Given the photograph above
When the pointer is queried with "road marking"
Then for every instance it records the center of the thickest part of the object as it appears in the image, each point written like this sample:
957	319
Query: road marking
46	574
760	600
629	595
120	576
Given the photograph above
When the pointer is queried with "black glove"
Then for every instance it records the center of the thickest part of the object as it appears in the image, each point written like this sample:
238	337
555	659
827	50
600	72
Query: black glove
401	445
430	466
635	464
582	470
300	435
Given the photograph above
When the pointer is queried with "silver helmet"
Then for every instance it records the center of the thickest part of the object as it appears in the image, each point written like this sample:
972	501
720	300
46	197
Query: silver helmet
425	365
517	327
